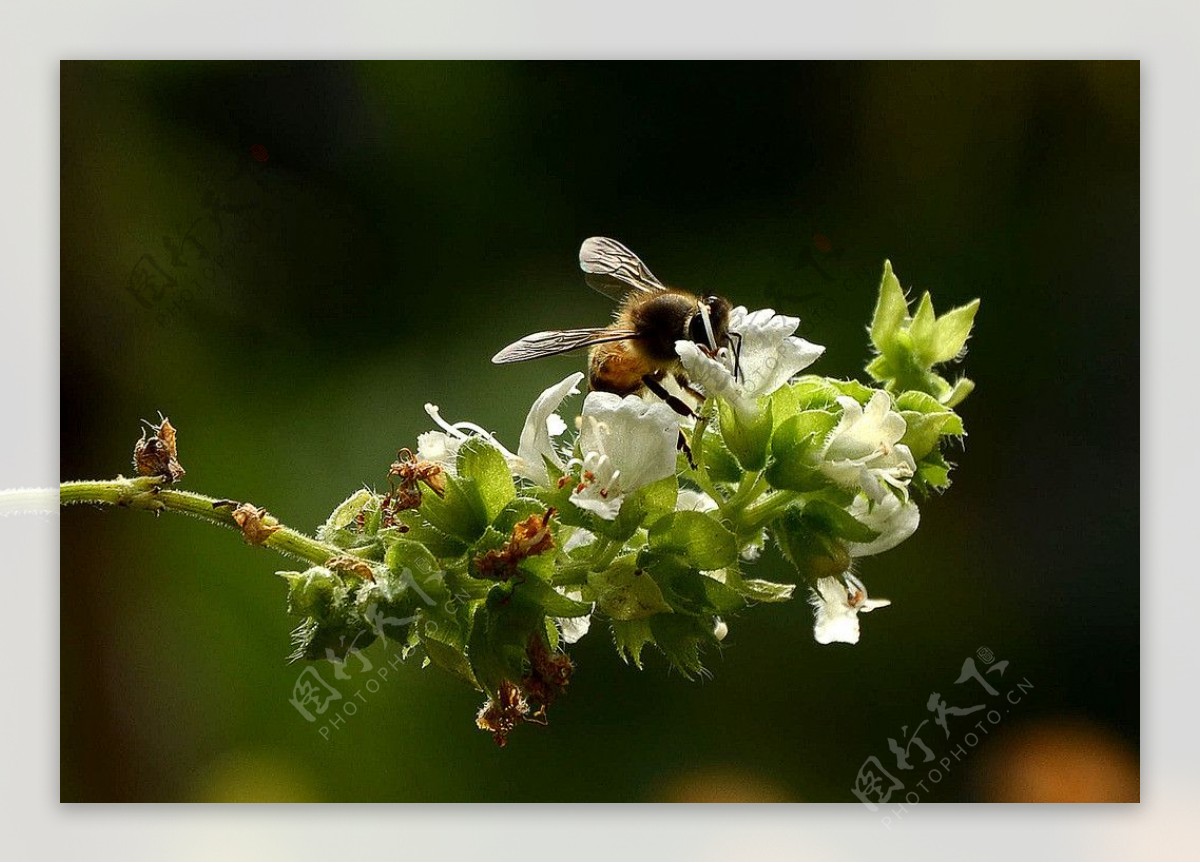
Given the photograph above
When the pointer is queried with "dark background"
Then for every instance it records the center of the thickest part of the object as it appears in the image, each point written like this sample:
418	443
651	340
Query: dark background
290	259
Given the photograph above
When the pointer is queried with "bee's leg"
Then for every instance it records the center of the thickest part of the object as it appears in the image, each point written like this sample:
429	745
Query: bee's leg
653	383
686	385
686	450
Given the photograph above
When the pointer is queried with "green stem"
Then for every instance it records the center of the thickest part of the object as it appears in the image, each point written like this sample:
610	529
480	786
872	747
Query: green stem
749	489
757	516
147	493
700	472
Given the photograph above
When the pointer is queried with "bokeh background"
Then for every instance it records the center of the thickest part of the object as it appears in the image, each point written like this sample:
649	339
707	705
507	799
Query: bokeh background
290	259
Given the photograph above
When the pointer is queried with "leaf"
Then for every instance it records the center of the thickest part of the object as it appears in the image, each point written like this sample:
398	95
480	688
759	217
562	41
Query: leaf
626	592
861	393
950	333
795	448
806	393
890	311
481	462
419	530
746	437
696	537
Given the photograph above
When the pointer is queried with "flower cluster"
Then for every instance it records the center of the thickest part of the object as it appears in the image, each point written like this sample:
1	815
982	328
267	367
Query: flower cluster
490	560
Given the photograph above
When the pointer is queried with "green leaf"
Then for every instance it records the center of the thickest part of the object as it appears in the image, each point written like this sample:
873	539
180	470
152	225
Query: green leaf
837	522
758	590
950	333
419	530
808	392
462	513
480	461
746	437
696	537
890	311
795	448
626	592
630	636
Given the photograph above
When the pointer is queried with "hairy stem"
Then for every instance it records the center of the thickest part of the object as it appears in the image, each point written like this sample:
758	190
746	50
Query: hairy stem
148	493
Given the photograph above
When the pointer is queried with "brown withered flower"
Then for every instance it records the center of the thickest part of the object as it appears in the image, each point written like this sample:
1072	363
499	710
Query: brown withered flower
256	523
529	537
501	714
348	563
405	476
157	455
549	674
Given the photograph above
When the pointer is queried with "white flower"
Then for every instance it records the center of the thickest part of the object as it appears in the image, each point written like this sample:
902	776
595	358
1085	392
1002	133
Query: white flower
626	443
573	628
837	601
865	447
720	629
895	519
542	425
769	356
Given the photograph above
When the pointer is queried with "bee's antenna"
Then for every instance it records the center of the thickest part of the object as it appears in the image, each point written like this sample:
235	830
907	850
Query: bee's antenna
737	356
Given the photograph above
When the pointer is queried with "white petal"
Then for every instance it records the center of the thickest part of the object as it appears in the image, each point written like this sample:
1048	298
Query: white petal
639	437
541	425
439	448
573	628
694	500
579	537
770	355
896	520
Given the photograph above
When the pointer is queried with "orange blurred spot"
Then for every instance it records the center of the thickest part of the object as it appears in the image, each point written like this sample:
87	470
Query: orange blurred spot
723	785
1058	761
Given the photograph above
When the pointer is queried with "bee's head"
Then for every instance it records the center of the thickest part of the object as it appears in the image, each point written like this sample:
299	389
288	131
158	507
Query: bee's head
709	325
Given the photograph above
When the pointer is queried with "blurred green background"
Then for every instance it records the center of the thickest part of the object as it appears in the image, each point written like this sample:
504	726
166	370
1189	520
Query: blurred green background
290	259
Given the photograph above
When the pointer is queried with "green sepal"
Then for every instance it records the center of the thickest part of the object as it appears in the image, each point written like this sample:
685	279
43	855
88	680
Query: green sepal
340	528
759	590
462	513
317	592
837	522
680	637
482	463
809	547
688	590
696	537
950	334
629	637
417	529
500	632
890	311
535	591
646	505
719	462
449	658
795	451
746	436
624	591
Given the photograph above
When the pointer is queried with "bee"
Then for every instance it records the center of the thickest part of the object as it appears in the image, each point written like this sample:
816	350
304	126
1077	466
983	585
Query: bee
636	351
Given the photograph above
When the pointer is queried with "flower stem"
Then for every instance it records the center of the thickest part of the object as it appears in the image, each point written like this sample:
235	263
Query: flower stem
759	514
701	471
148	493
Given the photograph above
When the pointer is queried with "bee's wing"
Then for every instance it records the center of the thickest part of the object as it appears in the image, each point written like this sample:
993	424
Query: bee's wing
615	271
553	342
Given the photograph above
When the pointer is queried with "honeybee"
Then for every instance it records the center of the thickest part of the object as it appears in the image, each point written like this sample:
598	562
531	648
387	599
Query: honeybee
637	351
